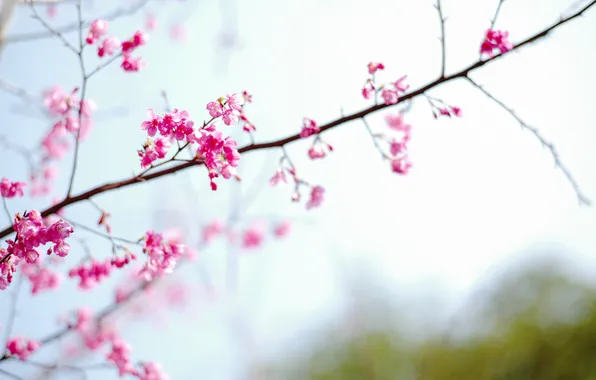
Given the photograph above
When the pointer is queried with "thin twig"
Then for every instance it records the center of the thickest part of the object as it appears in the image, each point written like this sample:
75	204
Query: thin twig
6	210
583	200
10	375
53	31
117	13
442	39
14	298
112	239
83	90
494	19
375	140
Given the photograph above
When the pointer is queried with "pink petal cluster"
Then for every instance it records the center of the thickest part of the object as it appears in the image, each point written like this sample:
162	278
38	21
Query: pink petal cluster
31	233
110	45
317	151
9	189
309	128
41	278
447	111
22	348
400	162
97	29
212	230
95	335
163	255
390	92
253	236
8	266
373	67
228	108
316	191
316	197
93	272
220	154
282	229
495	40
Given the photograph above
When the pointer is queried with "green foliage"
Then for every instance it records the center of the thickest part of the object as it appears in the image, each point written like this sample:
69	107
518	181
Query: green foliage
535	324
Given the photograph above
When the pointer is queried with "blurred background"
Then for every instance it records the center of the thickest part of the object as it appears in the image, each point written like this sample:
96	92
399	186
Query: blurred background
479	264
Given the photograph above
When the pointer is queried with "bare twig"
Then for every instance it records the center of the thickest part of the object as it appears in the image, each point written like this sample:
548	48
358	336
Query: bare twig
442	39
10	375
583	200
83	91
494	19
296	137
113	239
375	140
53	31
14	298
117	13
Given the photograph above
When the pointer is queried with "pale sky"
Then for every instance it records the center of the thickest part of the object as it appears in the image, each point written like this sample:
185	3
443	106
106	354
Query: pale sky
481	191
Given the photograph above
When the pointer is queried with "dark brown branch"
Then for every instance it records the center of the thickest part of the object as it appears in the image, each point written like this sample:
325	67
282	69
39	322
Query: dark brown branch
583	200
280	143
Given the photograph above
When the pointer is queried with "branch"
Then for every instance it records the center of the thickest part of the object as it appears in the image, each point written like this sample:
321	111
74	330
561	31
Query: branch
280	143
494	19
583	200
117	13
81	104
442	39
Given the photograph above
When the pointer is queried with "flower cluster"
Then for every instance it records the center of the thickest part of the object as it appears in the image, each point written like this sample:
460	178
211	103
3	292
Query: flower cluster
228	107
8	266
109	45
41	278
389	92
95	335
21	348
32	233
398	148
163	255
219	154
74	117
279	177
495	39
309	128
91	273
9	189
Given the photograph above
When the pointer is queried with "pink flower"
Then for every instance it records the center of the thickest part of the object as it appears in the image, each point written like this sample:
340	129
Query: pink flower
151	21
97	29
389	96
282	229
495	39
401	165
10	189
108	46
396	122
253	236
400	86
151	371
235	101
215	109
373	67
132	64
21	348
309	128
212	230
316	197
368	90
278	177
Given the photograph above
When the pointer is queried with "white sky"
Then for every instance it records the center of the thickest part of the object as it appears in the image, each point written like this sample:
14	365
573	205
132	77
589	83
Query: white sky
481	191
